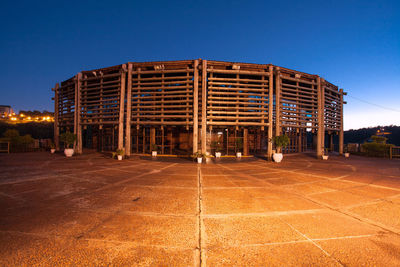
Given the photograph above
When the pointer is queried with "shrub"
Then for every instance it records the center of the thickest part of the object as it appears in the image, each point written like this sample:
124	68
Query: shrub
379	139
26	139
376	149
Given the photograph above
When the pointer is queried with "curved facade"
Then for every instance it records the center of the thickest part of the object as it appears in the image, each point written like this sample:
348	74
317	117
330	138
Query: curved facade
186	106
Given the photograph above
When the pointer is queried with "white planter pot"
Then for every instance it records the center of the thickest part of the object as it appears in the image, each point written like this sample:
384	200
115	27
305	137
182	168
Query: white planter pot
68	152
52	150
346	155
277	157
154	153
199	160
239	154
217	154
119	157
325	157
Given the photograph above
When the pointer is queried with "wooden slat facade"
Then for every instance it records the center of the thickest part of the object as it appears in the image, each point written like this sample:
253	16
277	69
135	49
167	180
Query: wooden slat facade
184	104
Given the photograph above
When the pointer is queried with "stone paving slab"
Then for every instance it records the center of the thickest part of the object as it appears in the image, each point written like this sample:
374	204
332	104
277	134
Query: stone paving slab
299	254
379	250
251	230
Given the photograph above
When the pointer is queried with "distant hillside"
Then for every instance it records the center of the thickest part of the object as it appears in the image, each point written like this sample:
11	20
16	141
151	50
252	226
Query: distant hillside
38	130
363	134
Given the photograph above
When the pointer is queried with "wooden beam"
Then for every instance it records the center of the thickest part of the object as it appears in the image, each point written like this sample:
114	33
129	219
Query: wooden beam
204	107
77	121
196	106
299	142
270	111
245	142
341	133
278	102
121	109
320	133
56	122
128	137
152	136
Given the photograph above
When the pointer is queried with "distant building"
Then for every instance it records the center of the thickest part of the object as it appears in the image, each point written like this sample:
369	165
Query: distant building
5	110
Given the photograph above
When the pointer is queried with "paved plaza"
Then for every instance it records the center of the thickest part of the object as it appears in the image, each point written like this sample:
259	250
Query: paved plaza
92	210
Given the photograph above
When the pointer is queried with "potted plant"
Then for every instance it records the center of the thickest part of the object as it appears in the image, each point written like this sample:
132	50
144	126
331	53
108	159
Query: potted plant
239	147
217	146
52	148
68	138
325	155
280	141
199	156
154	149
119	153
346	153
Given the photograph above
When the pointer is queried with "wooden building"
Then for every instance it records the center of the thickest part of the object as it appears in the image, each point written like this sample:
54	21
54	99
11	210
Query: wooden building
184	106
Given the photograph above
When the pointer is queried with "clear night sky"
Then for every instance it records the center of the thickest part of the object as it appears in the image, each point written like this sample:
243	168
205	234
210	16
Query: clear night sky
354	44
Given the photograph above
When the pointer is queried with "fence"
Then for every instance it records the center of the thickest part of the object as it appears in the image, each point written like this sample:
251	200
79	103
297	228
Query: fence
4	147
394	152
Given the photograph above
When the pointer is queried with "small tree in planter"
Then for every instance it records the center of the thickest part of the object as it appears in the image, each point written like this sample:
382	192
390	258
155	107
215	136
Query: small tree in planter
239	147
217	146
52	148
68	138
154	149
280	141
325	156
199	156
346	152
119	153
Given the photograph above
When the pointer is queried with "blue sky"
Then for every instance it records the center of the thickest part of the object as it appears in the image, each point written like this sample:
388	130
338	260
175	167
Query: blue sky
354	44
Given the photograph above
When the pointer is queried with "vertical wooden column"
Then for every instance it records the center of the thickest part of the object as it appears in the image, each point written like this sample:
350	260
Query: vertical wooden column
331	147
56	122
300	141
121	109
270	110
196	106
144	140
128	137
204	107
341	139
152	136
245	142
162	139
171	141
77	121
321	130
278	102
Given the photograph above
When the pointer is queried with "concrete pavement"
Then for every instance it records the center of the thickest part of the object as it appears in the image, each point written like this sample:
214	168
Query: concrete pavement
91	210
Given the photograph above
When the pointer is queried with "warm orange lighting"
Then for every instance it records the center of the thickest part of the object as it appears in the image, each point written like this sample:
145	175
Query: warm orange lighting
13	119
29	118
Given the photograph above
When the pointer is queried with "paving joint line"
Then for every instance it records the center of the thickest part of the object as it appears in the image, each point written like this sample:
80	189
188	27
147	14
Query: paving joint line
201	230
313	242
